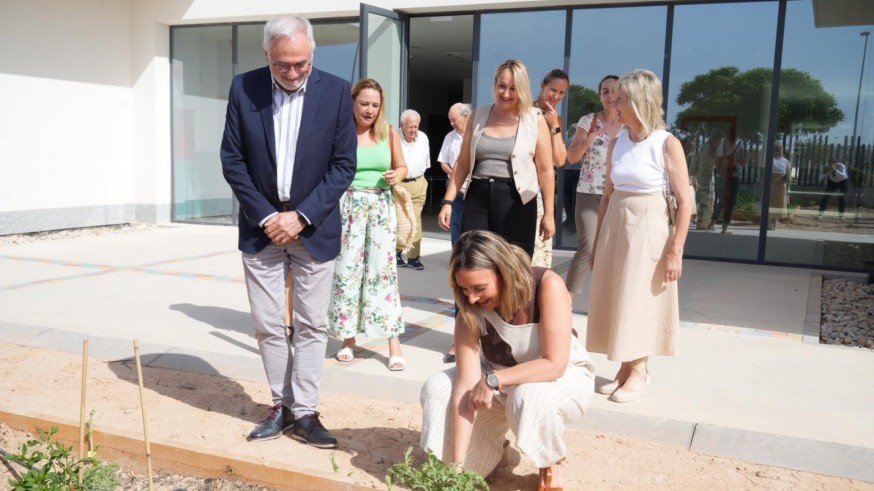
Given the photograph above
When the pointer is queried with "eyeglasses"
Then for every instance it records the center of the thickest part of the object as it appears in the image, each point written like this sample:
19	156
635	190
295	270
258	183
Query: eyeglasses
287	67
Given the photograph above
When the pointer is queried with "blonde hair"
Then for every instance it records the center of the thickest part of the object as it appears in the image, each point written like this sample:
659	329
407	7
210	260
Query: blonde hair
520	81
480	249
380	126
644	92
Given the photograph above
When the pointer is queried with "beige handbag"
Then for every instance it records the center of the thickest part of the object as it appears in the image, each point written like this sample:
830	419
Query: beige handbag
406	217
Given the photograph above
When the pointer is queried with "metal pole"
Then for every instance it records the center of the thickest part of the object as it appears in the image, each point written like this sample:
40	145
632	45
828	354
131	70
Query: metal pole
855	144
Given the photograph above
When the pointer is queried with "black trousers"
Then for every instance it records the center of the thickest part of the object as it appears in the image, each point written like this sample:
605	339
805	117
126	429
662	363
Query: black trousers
727	190
831	187
495	205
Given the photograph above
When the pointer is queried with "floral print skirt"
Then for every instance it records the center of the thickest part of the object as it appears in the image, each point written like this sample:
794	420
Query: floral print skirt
364	297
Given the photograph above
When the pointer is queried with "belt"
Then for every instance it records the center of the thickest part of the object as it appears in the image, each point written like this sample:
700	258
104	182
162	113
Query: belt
498	180
285	206
411	179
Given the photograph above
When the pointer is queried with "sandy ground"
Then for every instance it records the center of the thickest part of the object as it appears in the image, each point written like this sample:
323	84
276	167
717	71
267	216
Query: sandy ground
214	414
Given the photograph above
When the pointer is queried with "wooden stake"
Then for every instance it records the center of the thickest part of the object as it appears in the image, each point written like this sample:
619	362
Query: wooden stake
82	452
145	418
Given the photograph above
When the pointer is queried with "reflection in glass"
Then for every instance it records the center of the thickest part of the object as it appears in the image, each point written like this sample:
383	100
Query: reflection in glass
202	72
201	77
534	38
718	104
595	54
384	60
827	217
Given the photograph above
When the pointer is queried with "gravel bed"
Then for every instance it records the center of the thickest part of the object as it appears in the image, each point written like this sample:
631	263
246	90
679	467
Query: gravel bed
847	315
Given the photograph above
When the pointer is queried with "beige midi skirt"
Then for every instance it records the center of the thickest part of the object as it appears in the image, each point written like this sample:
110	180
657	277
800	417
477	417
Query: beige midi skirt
633	313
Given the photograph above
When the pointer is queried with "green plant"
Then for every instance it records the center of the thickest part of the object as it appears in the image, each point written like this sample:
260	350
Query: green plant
857	177
52	467
432	475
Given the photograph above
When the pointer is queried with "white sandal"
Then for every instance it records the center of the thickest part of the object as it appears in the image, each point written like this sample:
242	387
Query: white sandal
345	355
396	363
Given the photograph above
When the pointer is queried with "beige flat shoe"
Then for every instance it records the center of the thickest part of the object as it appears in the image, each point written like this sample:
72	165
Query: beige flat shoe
628	396
608	389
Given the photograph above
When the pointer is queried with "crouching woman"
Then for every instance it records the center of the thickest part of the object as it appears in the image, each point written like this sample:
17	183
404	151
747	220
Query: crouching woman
519	365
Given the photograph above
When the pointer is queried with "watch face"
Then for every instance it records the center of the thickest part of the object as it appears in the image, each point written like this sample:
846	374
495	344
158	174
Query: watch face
492	381
557	130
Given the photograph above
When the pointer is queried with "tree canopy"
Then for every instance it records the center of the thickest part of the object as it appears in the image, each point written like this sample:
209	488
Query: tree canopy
803	104
581	100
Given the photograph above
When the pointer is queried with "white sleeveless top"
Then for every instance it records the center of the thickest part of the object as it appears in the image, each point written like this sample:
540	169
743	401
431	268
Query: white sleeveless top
525	341
638	166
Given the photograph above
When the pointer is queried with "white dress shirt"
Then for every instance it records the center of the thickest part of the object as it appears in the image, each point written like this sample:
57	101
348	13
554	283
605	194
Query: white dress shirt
450	149
417	154
287	112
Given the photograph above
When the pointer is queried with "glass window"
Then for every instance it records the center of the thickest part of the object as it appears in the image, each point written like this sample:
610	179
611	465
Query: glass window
719	103
535	38
201	77
823	212
596	52
202	73
384	60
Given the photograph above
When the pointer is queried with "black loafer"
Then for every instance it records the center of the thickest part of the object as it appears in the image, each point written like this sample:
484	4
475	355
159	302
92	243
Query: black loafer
308	429
279	420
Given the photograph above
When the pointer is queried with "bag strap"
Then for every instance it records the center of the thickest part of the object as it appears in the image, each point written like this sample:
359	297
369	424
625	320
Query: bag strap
593	123
665	162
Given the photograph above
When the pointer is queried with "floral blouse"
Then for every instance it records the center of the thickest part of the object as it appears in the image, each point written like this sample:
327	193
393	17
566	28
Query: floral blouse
592	173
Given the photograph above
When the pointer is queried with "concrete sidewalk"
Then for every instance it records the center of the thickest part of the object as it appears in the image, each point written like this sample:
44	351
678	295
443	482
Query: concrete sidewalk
751	381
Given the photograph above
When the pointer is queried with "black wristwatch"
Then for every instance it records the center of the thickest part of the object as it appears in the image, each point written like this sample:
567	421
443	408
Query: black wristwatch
492	380
555	130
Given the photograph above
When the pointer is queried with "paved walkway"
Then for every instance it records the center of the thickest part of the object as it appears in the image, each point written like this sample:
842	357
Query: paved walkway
751	382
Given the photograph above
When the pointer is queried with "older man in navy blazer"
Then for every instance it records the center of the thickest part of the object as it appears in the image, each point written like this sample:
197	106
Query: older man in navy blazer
288	153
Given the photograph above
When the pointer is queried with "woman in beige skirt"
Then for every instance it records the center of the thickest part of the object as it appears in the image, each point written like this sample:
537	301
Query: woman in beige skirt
638	254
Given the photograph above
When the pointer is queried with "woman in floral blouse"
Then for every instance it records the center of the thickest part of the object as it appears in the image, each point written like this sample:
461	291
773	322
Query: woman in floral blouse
365	295
593	136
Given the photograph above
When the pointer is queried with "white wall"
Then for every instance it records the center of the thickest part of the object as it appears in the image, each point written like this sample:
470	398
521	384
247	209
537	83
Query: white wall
65	139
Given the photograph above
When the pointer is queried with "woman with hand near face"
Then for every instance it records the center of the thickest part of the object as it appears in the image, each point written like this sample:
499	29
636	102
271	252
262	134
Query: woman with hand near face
553	90
638	253
365	293
506	157
535	378
592	139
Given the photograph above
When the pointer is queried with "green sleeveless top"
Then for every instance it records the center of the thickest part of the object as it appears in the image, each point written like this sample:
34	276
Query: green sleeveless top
373	161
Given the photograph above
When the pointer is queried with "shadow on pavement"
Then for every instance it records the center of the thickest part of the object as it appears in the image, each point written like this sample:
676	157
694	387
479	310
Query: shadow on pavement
218	317
197	384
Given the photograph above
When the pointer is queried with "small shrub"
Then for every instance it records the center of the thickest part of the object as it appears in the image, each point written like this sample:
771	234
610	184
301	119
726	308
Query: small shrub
52	467
432	475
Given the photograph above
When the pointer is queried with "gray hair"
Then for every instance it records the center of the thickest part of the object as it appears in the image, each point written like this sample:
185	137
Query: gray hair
287	26
409	112
463	109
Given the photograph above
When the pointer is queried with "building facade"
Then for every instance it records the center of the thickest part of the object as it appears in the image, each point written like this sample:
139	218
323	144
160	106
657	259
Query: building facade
113	110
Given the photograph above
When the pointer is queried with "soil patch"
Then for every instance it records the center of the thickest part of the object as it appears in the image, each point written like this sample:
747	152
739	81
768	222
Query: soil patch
847	314
214	414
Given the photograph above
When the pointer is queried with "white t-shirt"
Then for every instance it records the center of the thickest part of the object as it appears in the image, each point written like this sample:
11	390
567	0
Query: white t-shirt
780	164
450	149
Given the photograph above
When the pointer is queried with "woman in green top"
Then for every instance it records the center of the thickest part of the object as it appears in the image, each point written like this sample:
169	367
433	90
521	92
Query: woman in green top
365	296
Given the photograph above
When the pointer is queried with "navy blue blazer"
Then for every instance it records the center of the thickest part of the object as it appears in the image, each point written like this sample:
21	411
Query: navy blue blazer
324	162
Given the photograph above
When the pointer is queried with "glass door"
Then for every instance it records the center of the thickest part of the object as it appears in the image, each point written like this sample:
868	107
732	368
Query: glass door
384	40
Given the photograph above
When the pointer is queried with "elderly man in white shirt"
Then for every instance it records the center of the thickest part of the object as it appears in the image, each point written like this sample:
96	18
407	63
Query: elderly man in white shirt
458	115
417	155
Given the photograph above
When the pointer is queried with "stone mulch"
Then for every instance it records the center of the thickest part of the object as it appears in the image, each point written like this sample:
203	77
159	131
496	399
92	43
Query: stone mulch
847	315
